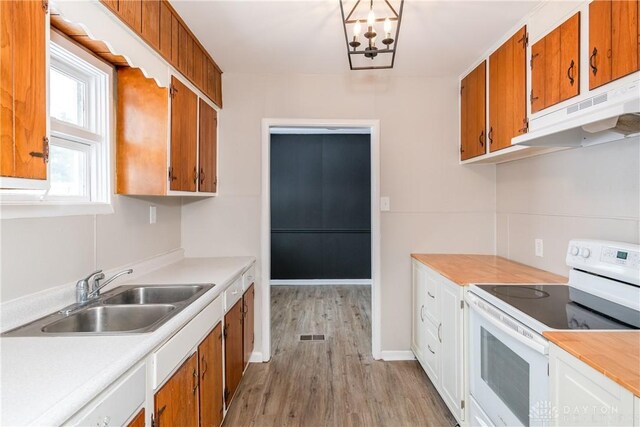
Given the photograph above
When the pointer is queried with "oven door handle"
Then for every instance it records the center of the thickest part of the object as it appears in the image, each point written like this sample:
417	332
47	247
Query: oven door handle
481	307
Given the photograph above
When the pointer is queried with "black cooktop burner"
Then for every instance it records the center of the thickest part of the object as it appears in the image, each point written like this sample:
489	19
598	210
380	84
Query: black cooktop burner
564	307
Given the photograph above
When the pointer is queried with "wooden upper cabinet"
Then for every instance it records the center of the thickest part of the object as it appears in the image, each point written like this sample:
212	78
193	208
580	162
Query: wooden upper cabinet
183	40
165	30
188	71
151	22
184	124
23	77
624	38
113	4
175	41
248	299
233	355
211	387
138	420
141	144
198	60
507	88
613	40
473	113
131	12
555	65
176	403
208	180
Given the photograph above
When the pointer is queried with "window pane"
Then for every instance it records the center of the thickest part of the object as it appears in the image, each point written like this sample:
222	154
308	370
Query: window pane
67	98
68	169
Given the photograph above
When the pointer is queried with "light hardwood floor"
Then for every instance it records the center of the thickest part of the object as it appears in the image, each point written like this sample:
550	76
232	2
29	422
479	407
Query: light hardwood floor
335	382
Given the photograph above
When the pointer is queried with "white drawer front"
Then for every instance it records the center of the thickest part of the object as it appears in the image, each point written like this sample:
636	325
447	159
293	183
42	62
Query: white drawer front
249	277
232	294
432	305
169	356
116	406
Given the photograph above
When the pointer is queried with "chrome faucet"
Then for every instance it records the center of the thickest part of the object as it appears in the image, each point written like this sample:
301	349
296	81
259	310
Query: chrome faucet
85	293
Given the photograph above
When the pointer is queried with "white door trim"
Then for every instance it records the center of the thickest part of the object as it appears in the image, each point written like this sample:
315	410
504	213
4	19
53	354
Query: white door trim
265	229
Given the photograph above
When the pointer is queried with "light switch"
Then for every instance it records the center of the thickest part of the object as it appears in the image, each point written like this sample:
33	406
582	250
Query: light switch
539	248
385	204
152	215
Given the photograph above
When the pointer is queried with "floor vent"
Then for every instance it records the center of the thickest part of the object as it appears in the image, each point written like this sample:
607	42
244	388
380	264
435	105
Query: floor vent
312	337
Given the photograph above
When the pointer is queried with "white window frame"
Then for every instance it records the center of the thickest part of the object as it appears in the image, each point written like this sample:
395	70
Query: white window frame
95	139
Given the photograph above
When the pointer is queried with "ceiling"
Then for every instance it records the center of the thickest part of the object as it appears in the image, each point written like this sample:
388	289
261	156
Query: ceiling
437	38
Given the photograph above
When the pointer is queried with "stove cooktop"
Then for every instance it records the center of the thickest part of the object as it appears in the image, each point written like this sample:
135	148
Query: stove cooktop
564	307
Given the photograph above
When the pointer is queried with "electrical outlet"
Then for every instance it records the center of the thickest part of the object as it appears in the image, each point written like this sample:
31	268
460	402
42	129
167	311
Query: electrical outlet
539	248
152	215
385	204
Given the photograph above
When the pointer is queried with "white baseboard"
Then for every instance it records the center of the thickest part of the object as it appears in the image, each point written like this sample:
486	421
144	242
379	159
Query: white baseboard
319	282
256	357
397	355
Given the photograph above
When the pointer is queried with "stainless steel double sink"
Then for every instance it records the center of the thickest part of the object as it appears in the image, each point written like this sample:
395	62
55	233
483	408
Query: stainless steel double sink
124	310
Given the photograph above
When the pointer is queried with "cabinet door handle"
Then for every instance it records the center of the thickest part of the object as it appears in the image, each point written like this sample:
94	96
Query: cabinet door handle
195	381
422	313
481	139
592	61
439	329
202	175
195	175
205	366
490	135
570	72
429	347
432	296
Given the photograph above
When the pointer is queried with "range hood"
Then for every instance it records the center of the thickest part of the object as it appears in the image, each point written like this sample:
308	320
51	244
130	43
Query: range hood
607	117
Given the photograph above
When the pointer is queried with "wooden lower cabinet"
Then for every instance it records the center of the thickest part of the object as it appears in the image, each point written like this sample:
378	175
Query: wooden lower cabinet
233	353
138	420
211	389
248	323
176	403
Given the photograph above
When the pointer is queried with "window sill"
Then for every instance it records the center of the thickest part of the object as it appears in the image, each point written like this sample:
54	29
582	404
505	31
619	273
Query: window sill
14	210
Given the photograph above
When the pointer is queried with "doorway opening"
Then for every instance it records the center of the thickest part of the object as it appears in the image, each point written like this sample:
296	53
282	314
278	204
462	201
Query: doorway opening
320	226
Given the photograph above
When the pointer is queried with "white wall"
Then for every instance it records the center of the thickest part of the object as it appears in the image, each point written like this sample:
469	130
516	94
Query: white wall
589	192
41	253
436	205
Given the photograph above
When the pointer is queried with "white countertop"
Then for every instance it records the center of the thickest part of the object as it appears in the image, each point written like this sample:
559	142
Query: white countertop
46	380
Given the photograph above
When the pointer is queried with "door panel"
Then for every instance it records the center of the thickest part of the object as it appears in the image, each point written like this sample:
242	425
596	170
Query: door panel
7	58
208	148
176	403
131	13
479	109
29	83
248	327
518	82
151	22
624	38
570	58
165	30
450	336
552	68
211	388
184	104
599	43
176	46
138	420
233	350
538	76
493	99
465	100
183	39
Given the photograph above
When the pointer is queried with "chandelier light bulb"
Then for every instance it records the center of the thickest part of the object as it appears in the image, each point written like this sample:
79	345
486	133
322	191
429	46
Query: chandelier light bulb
371	18
387	26
357	28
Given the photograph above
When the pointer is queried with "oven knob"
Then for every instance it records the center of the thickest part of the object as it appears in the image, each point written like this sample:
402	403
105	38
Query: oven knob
585	253
575	251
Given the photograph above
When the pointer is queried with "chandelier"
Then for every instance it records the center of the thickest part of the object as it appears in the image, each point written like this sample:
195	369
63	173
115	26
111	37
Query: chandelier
362	49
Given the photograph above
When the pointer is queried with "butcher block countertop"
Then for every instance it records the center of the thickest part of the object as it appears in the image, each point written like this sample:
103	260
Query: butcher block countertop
468	269
615	354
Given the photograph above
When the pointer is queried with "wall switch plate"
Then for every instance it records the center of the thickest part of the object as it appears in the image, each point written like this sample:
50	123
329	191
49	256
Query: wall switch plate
385	204
539	248
152	215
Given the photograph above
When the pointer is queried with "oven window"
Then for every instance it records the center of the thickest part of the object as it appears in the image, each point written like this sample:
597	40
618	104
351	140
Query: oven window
507	374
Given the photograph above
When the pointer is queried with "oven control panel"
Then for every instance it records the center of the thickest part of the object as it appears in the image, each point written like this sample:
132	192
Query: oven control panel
616	260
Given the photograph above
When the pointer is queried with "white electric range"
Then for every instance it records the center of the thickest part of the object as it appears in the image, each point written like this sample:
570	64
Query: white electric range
509	365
